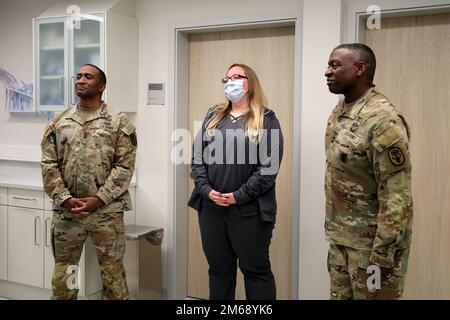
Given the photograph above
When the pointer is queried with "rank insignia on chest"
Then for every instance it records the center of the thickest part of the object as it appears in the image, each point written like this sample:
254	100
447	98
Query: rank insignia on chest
355	126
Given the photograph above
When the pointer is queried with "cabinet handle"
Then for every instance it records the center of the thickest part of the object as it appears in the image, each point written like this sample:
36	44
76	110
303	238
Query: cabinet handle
72	85
35	231
47	244
24	198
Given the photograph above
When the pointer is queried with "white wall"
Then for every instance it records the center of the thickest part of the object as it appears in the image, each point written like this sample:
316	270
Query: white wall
155	17
353	6
321	32
317	103
16	57
325	23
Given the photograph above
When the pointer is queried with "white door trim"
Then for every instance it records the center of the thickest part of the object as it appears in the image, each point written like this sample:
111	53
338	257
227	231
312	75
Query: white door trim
178	118
357	13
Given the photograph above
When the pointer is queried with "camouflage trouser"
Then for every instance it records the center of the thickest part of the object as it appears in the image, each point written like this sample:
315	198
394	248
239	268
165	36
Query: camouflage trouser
107	232
349	277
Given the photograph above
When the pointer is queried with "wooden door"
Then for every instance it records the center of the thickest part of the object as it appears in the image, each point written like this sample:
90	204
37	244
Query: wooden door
413	68
270	52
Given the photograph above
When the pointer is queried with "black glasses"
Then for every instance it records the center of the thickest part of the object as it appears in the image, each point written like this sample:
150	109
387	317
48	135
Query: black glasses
233	77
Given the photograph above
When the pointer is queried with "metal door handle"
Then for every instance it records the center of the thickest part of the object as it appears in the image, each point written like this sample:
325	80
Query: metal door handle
47	236
35	231
24	198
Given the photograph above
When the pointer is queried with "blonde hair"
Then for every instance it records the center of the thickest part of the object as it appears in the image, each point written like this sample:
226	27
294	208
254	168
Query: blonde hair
257	101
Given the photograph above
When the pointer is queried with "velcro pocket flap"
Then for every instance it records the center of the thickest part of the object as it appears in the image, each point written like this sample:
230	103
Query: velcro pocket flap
387	139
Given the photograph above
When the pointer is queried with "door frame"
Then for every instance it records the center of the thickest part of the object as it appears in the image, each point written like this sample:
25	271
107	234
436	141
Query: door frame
357	13
178	118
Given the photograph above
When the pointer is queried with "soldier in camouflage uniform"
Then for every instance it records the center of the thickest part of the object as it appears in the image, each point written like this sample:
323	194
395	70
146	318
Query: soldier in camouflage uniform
367	184
88	158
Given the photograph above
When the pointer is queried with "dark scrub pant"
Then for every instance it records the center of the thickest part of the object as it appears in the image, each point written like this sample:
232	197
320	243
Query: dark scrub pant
228	236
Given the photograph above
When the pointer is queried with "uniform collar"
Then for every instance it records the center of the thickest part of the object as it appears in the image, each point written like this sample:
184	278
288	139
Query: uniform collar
101	112
353	111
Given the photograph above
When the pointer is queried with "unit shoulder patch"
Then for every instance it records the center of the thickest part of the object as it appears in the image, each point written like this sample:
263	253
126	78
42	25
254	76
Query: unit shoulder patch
396	156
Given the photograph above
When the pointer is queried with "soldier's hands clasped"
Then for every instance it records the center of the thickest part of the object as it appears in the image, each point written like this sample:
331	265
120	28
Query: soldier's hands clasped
89	205
72	203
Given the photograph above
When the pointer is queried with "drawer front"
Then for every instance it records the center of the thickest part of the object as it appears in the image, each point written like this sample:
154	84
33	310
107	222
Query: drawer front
26	198
3	196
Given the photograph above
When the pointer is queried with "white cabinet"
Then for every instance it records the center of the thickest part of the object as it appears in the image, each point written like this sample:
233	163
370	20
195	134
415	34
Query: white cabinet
26	253
26	198
25	246
3	196
106	36
51	69
3	242
3	233
25	236
60	52
49	261
29	247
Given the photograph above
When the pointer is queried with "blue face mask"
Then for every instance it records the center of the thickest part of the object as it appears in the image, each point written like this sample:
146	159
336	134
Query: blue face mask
234	90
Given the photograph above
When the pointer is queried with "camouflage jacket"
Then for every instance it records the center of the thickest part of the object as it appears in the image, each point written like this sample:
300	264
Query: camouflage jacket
92	158
368	178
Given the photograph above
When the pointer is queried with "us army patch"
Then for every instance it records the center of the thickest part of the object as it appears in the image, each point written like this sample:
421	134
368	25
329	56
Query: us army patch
396	156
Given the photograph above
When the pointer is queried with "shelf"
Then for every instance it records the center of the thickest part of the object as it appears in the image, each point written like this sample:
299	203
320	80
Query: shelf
52	48
52	107
88	46
55	77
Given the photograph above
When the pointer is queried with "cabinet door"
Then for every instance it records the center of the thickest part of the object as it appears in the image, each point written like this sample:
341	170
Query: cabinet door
25	246
51	70
49	261
86	46
3	242
3	196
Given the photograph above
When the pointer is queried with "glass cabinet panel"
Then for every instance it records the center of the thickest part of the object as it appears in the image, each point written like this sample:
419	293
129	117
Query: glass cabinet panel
87	47
51	56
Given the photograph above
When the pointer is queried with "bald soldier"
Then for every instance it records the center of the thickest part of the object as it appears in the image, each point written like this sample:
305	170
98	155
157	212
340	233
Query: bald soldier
88	158
367	184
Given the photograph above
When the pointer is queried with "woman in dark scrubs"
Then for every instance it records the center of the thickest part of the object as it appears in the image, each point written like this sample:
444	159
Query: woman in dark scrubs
236	158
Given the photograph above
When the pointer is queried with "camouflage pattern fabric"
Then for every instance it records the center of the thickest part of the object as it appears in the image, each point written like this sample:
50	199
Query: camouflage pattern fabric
368	179
107	232
349	276
89	158
95	157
